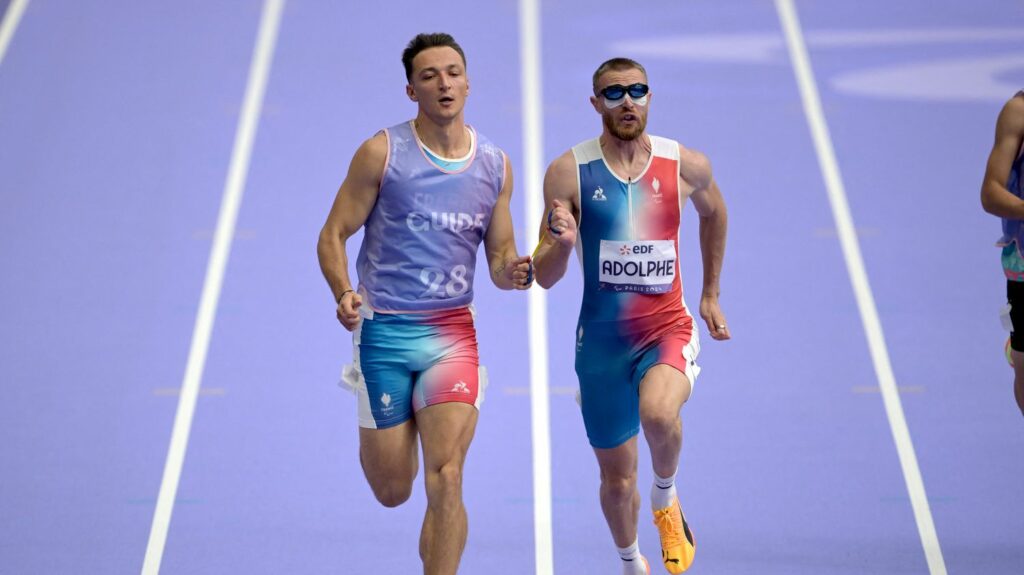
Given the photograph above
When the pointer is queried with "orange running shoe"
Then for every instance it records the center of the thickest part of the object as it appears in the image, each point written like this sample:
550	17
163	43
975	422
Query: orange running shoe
677	545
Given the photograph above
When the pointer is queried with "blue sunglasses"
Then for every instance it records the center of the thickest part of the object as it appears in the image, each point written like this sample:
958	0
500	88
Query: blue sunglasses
618	91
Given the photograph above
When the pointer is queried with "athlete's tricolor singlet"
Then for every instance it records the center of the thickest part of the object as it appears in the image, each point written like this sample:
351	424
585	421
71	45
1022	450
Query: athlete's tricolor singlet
416	345
633	316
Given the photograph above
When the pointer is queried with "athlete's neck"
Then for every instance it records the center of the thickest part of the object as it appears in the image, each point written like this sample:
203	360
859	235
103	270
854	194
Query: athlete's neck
450	140
626	157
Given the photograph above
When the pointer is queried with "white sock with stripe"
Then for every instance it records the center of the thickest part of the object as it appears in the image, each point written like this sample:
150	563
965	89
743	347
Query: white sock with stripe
632	564
663	491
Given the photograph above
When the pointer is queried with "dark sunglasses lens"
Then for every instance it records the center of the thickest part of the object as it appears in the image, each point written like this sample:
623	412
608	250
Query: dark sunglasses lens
638	91
614	92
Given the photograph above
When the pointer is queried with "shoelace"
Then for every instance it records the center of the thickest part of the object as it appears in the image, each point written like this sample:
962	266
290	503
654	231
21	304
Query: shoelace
671	530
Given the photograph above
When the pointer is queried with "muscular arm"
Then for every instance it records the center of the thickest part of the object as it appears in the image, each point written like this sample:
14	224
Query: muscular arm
551	257
508	270
995	198
352	205
707	199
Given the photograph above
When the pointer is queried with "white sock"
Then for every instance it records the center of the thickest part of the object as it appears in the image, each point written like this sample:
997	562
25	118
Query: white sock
663	491
632	564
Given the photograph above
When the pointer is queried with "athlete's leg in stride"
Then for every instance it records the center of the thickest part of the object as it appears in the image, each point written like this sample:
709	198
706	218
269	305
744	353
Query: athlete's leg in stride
389	461
1018	377
620	502
620	499
1015	300
446	430
663	391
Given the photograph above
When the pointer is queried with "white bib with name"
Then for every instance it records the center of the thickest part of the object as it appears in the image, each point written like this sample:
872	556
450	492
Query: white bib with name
641	266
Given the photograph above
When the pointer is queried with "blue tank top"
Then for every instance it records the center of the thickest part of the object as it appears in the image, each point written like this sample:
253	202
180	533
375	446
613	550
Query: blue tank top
1012	240
421	237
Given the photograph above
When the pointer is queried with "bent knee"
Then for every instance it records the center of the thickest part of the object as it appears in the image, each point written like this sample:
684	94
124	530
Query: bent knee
444	484
448	476
392	493
660	422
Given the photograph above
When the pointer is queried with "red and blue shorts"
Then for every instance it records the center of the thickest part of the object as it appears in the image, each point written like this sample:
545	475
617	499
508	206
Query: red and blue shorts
612	358
405	362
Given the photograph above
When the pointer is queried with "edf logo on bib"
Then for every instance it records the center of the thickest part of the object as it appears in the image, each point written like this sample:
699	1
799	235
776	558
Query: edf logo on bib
639	249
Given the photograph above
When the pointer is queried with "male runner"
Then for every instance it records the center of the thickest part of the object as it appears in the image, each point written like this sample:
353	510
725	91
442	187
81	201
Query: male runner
617	199
1001	195
428	191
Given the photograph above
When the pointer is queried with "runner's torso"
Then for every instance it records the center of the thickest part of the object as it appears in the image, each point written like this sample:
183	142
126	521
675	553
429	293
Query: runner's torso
628	239
421	238
1012	240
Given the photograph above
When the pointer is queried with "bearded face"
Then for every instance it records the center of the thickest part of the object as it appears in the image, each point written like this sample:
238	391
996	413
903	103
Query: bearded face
625	125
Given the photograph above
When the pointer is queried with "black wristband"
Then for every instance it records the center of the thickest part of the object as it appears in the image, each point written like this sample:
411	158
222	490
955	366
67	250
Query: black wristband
342	296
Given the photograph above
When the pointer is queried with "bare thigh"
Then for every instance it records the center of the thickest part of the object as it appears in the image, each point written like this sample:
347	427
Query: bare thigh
446	430
389	460
663	391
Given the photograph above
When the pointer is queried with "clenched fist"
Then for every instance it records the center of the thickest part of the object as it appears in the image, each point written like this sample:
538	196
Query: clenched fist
561	224
348	309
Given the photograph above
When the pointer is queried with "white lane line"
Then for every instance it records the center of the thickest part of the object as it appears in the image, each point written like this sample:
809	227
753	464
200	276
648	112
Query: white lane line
232	199
861	288
10	23
533	152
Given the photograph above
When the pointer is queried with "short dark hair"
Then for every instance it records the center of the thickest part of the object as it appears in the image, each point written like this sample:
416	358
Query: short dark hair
423	41
617	64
